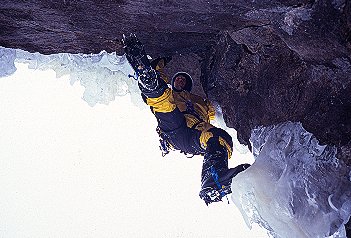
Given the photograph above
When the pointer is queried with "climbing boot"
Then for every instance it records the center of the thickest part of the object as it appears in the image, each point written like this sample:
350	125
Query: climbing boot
216	178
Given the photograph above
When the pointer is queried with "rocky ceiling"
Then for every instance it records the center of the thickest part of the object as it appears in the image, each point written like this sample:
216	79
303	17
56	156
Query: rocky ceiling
264	62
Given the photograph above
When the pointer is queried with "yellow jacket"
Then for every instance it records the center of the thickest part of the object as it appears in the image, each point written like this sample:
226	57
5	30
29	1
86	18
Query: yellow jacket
199	118
203	111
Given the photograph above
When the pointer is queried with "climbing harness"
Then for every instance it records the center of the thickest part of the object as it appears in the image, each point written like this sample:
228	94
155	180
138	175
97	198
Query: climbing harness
166	146
190	109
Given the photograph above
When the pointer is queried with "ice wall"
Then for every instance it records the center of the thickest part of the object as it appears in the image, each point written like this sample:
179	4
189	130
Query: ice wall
7	59
104	76
296	187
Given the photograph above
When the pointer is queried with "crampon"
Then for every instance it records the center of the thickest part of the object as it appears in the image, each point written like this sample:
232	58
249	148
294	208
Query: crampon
210	194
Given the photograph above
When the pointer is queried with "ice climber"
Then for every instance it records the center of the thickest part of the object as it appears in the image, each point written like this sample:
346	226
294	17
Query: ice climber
184	120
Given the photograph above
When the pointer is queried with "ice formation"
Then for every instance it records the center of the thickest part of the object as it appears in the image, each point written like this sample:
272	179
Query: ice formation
7	58
296	187
104	75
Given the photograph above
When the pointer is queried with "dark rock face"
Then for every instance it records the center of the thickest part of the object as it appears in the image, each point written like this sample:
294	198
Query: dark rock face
296	68
270	83
264	62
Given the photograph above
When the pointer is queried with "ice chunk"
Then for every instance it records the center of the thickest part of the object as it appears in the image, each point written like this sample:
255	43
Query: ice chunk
296	187
7	61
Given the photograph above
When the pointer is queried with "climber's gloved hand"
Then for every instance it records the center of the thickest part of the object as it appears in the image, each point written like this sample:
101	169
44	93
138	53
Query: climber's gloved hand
137	58
135	53
132	46
149	81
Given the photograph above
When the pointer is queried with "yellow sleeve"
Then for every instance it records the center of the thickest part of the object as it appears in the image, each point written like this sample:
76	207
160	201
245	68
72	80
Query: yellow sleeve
159	67
211	110
163	103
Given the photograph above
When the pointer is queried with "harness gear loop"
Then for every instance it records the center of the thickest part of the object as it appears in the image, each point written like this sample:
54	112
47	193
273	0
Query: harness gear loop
165	145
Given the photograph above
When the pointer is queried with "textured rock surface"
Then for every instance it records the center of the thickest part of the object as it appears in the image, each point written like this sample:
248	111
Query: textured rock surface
265	62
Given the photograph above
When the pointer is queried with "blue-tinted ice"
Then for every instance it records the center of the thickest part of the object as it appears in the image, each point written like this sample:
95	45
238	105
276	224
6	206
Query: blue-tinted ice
296	187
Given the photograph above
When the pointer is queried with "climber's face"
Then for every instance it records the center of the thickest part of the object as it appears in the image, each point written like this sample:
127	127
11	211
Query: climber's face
179	82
